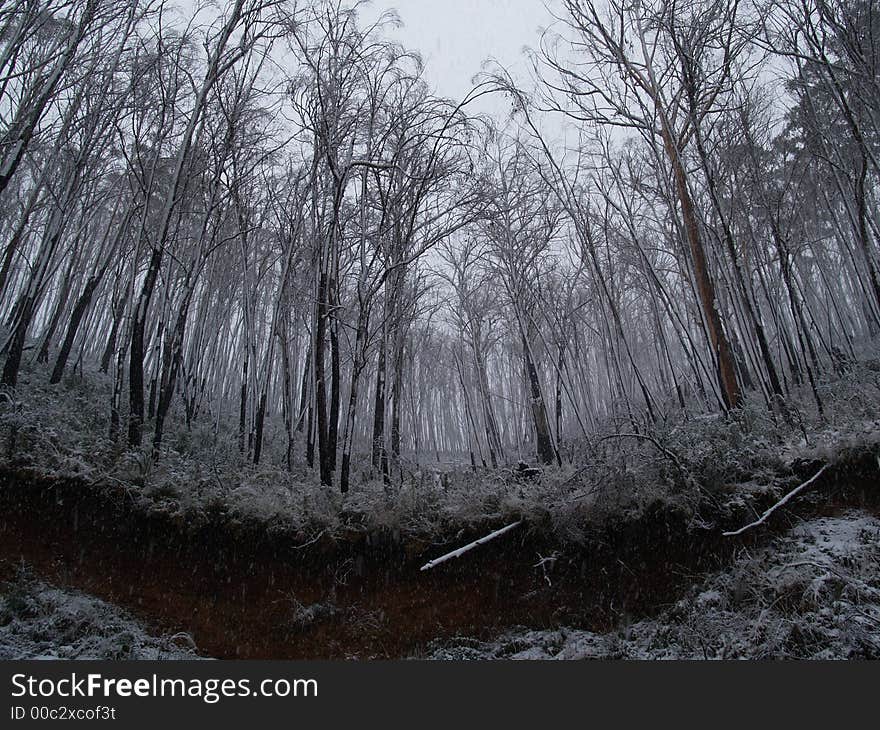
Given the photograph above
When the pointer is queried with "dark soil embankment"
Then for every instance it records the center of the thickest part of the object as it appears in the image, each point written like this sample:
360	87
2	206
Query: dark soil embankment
243	593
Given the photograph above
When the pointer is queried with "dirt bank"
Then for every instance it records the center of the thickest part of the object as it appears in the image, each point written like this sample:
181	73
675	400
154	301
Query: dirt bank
242	593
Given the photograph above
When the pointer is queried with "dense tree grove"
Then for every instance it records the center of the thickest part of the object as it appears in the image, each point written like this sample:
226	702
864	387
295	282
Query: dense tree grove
259	216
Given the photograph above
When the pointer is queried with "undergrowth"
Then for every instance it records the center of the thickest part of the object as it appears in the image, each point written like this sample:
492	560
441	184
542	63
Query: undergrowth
711	466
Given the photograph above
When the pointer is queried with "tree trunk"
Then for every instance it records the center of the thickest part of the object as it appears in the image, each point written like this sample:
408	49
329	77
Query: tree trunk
79	311
379	456
545	450
353	396
136	354
325	463
726	368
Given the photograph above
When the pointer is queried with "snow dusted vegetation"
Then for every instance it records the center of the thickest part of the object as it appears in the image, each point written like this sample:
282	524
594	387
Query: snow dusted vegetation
259	561
40	621
812	593
306	355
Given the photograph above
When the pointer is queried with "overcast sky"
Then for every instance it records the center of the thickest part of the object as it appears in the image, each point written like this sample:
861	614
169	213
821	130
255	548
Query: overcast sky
456	36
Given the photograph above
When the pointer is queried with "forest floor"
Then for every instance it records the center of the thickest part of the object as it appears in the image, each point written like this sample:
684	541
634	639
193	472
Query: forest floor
813	592
805	584
364	597
621	552
42	621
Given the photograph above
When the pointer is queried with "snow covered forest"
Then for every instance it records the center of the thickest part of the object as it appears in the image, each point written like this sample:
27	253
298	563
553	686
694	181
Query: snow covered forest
254	270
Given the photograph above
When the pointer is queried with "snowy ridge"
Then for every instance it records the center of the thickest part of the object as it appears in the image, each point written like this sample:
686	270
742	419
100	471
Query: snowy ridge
813	593
39	621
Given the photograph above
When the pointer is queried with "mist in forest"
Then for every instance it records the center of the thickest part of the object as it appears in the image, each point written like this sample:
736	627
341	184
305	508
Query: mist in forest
454	265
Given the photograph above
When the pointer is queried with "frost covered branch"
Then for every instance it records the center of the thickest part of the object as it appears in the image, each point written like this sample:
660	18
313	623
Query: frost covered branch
793	493
467	548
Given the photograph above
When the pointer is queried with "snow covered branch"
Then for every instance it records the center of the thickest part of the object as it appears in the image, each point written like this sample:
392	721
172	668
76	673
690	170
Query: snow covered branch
462	550
793	493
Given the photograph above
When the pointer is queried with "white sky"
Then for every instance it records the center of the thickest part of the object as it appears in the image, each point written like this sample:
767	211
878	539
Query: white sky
455	37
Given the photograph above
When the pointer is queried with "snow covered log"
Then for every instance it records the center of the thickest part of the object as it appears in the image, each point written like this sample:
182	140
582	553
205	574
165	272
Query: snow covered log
470	546
793	493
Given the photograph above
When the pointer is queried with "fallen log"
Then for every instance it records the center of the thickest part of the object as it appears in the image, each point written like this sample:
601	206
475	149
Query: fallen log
470	546
793	493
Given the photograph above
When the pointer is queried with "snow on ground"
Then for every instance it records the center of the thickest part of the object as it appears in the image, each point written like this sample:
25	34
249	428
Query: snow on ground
40	621
813	593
